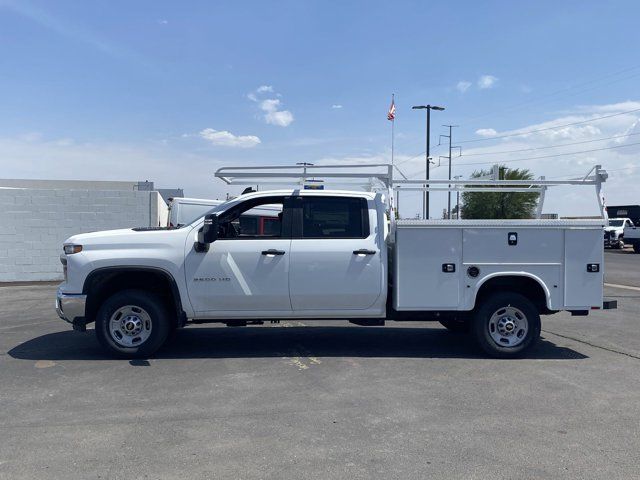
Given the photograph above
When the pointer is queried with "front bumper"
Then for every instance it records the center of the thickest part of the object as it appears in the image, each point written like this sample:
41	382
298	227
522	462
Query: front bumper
71	307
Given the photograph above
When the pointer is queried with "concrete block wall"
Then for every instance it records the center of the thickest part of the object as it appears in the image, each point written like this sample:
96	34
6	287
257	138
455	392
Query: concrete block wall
35	222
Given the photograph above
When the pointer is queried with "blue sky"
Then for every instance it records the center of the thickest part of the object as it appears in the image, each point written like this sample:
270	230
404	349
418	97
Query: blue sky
170	91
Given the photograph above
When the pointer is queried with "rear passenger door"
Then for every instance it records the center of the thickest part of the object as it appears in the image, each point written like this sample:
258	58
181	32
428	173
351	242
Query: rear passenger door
335	262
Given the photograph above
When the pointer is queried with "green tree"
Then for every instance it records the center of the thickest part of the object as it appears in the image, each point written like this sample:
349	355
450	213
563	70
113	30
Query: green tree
495	205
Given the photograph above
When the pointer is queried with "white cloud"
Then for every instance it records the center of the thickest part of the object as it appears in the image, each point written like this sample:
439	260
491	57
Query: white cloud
487	81
280	118
163	22
486	132
462	86
224	138
336	106
273	115
611	108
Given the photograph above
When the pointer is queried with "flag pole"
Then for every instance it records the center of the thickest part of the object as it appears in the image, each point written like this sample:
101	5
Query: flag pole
391	116
393	124
393	127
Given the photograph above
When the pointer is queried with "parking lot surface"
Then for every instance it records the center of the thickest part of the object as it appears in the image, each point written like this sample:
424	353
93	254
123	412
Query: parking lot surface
322	399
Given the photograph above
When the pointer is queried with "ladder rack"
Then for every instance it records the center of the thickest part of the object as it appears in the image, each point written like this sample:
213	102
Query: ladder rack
304	173
383	173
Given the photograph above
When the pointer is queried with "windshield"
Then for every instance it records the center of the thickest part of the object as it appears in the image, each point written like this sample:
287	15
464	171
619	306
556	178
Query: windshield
616	222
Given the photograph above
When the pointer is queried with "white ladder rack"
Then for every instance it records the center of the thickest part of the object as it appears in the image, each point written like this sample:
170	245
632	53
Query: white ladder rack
383	173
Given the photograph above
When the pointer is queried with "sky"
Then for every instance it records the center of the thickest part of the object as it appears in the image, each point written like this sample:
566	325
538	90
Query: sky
170	91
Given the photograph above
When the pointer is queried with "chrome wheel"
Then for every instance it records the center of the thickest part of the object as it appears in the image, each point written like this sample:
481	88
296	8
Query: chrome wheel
508	327
130	326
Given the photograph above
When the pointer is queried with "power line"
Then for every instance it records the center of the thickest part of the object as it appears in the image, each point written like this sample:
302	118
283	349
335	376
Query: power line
553	156
415	156
549	128
547	147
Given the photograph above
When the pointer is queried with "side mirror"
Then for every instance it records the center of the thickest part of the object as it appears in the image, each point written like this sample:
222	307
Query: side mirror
209	232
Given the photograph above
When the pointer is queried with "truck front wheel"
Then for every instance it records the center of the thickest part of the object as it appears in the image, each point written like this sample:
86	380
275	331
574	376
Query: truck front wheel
132	324
506	325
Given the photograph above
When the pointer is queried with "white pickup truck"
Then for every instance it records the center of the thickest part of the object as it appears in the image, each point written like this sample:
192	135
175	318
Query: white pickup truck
334	255
615	230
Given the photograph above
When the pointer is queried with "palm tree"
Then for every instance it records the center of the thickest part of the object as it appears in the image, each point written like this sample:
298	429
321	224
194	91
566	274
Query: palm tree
496	205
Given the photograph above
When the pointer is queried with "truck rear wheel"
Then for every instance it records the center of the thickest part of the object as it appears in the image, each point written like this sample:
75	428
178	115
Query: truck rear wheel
132	324
506	325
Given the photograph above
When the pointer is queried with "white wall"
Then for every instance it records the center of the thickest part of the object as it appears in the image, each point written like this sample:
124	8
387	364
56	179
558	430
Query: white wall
68	184
35	222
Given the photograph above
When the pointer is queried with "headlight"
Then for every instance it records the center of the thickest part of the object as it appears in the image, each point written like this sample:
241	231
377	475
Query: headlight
71	248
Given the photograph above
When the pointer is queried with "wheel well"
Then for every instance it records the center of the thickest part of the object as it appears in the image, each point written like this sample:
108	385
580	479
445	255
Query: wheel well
525	286
103	283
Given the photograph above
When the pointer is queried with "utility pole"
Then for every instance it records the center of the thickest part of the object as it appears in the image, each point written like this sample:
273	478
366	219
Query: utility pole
428	108
457	177
450	127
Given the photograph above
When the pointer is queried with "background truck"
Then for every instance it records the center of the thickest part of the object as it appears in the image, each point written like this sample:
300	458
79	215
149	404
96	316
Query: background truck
614	232
632	237
183	210
334	255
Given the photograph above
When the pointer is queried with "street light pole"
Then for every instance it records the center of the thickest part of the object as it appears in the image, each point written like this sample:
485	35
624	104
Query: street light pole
428	108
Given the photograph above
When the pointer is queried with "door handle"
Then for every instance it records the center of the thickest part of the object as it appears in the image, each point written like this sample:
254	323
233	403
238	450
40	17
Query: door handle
364	251
273	251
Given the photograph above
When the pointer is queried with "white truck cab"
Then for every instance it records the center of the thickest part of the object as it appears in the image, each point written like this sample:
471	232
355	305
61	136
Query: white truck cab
331	254
614	232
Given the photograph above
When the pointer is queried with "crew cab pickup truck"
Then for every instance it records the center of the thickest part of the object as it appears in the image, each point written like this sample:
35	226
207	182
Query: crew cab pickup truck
614	232
332	255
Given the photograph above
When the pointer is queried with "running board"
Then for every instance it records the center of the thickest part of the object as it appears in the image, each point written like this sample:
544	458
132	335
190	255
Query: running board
368	322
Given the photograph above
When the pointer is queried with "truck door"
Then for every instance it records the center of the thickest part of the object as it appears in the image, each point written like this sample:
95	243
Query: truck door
243	271
336	262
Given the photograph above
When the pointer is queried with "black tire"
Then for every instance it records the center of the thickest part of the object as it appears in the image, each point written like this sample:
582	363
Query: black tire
151	304
455	325
493	305
636	247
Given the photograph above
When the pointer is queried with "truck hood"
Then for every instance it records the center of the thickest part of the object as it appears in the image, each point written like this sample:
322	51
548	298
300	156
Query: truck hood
613	229
127	237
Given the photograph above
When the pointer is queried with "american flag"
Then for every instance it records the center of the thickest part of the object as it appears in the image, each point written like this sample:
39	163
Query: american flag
391	115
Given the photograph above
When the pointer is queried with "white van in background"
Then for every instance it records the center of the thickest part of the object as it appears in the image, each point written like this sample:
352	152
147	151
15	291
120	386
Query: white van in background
184	210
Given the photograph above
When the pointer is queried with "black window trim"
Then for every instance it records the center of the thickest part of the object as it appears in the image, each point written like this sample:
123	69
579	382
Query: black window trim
296	227
287	213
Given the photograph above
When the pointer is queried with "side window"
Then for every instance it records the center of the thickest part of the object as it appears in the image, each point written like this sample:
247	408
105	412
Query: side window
260	218
334	217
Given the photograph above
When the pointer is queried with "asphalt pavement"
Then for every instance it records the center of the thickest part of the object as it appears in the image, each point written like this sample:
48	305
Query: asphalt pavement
318	400
622	267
